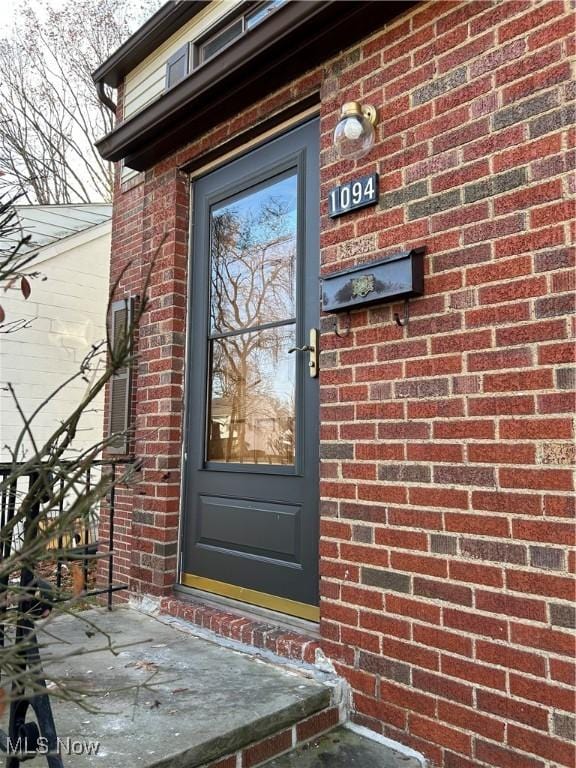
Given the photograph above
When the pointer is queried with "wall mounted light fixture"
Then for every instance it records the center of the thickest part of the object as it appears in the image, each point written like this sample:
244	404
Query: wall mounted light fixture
354	133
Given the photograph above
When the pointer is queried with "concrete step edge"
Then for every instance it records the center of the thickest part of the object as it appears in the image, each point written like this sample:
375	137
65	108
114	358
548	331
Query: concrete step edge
239	739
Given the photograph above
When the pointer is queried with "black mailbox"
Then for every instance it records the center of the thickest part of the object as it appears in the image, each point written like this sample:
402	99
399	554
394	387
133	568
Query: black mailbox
396	277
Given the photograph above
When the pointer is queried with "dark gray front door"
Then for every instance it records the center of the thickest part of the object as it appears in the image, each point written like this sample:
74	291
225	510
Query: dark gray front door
251	482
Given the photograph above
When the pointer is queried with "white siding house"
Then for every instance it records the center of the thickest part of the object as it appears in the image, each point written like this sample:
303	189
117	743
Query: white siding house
67	315
147	82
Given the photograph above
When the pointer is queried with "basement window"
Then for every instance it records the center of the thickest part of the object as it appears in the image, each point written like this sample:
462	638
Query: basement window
198	52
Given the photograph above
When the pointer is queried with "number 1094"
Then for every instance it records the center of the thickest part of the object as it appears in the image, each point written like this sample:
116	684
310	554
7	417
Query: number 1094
355	194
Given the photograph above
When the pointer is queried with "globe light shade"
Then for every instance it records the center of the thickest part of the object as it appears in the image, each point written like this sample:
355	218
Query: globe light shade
354	135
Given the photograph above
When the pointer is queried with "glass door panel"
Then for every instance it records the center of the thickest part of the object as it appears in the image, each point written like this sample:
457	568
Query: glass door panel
253	257
252	392
253	242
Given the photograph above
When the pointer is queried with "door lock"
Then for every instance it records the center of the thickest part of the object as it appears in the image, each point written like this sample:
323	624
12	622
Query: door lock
314	348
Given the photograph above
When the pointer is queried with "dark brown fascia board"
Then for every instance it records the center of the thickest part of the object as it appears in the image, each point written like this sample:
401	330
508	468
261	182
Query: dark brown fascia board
167	20
255	132
295	39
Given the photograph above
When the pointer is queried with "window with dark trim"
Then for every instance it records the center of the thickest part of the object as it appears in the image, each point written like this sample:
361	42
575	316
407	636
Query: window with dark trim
229	29
216	42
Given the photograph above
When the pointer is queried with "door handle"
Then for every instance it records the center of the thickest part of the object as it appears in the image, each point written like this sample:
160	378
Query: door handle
314	348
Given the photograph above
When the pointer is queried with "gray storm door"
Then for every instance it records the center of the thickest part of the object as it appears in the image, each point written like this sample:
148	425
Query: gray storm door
251	472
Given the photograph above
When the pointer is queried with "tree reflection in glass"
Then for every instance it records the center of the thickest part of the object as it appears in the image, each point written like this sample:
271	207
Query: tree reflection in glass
252	308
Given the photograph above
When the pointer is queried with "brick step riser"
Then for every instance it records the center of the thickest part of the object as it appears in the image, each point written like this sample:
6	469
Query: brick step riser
243	629
260	752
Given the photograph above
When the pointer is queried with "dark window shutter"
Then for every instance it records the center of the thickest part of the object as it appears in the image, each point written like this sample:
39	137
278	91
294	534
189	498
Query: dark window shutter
177	66
120	384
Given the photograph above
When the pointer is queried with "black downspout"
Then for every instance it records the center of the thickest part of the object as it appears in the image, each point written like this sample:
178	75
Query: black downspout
104	98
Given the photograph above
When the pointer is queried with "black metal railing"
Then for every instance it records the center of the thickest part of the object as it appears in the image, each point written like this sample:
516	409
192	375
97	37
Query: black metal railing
32	504
83	545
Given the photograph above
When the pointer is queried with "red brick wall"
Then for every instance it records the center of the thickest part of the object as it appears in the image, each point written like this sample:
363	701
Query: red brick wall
447	553
149	244
446	482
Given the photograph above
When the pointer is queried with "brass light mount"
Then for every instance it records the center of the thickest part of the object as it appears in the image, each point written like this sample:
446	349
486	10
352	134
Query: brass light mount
355	109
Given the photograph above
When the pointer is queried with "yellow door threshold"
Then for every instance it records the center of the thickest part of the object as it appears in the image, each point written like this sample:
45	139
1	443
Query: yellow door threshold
253	597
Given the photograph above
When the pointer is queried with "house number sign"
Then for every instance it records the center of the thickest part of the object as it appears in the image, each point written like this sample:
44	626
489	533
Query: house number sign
358	193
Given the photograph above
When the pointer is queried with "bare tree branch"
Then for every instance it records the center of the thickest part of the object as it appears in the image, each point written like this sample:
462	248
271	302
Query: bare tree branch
50	114
46	500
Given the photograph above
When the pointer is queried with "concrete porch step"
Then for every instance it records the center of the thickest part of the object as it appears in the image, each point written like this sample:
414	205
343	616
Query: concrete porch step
342	748
171	699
